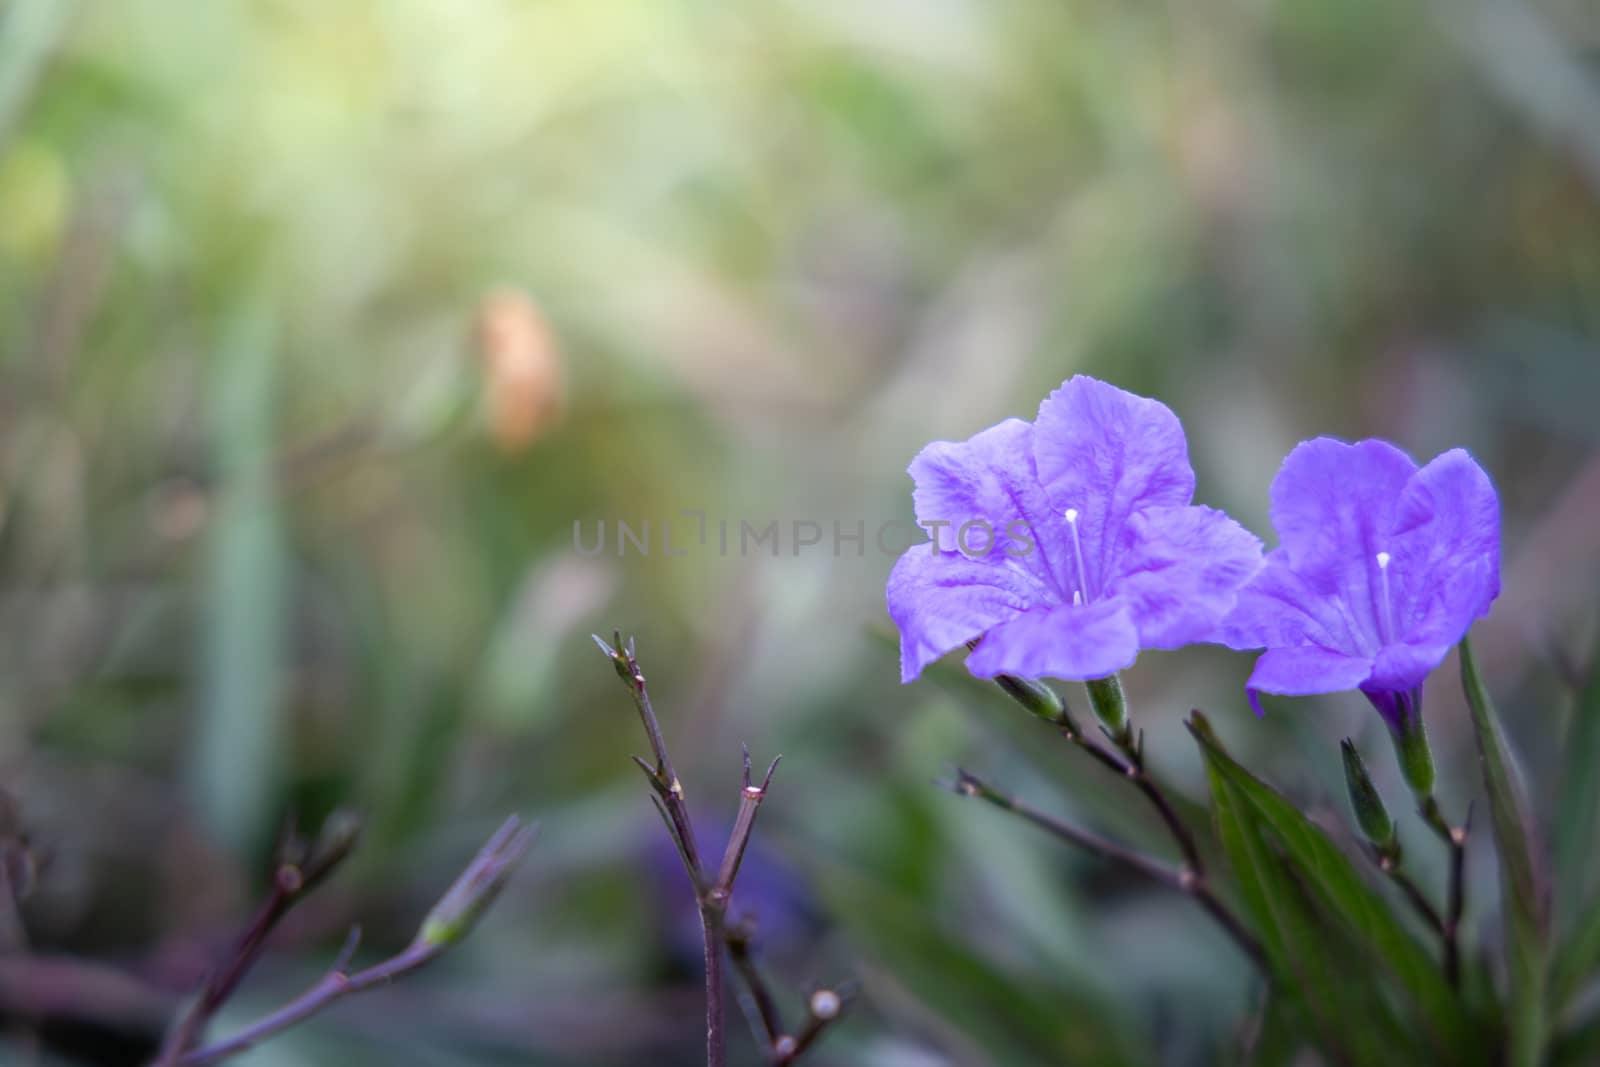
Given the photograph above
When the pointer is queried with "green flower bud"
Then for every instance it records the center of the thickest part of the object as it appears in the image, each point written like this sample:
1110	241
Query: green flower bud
1416	758
464	903
1110	704
1037	698
1371	814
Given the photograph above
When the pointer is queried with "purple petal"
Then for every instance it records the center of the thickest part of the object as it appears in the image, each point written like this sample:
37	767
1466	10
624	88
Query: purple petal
1181	569
1395	705
1305	670
1334	502
942	600
1107	453
1333	506
1074	642
1445	545
1403	667
988	481
982	478
1280	608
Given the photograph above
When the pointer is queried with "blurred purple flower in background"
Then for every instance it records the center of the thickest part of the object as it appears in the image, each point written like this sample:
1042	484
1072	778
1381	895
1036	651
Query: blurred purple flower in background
1089	549
770	892
1381	567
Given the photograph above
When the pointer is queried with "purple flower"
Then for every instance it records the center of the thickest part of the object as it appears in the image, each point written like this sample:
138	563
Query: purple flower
1381	568
1066	545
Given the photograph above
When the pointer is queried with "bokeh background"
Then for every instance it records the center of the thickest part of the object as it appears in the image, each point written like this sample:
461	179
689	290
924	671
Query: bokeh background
323	324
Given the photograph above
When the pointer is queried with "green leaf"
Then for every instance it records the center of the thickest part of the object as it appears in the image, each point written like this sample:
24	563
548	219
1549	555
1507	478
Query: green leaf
1279	856
1279	1036
238	757
1309	960
1524	875
1579	798
986	1014
1576	961
1579	1047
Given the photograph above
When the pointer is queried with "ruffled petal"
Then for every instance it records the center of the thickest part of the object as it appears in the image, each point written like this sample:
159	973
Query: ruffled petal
1306	670
942	600
1445	548
988	481
1108	453
1181	568
1073	642
1333	506
1334	502
1281	608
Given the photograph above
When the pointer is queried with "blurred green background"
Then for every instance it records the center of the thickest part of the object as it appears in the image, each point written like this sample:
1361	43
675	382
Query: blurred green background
323	324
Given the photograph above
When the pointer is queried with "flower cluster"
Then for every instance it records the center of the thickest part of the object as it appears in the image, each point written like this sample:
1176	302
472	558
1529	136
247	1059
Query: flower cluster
1093	550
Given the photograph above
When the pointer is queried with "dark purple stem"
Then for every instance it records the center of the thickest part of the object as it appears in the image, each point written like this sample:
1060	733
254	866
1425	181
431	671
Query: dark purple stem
1184	879
294	878
712	898
333	987
450	920
1132	768
768	1020
714	894
1455	838
1424	907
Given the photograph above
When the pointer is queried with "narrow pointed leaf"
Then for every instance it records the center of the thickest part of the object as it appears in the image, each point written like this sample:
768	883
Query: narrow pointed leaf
1579	798
1279	1039
1524	874
1346	1013
1579	1047
1577	960
1340	892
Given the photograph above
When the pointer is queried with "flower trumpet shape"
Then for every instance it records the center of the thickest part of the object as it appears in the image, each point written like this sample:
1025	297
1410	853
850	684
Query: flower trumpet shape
1065	545
1381	567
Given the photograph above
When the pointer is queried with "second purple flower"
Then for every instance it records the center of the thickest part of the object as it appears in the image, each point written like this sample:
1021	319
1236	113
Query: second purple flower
1066	545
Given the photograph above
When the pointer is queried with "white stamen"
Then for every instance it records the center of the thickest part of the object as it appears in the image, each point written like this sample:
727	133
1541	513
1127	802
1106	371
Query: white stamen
1386	619
1081	585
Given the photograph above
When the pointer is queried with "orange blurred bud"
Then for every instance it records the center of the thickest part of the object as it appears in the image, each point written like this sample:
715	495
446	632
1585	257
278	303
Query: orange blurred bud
524	379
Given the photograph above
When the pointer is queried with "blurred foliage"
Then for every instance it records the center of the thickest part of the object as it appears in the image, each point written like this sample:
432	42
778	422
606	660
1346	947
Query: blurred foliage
287	517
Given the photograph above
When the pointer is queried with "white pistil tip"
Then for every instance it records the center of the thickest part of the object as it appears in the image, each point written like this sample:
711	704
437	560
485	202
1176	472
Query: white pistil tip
1383	560
1072	514
1077	596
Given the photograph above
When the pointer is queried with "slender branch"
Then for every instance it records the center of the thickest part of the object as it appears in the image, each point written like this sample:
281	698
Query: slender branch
1129	765
744	823
446	924
66	991
970	785
768	1019
824	1008
300	869
713	893
711	898
663	777
1184	879
1191	877
1169	814
716	1035
332	987
1390	866
1132	748
1455	838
